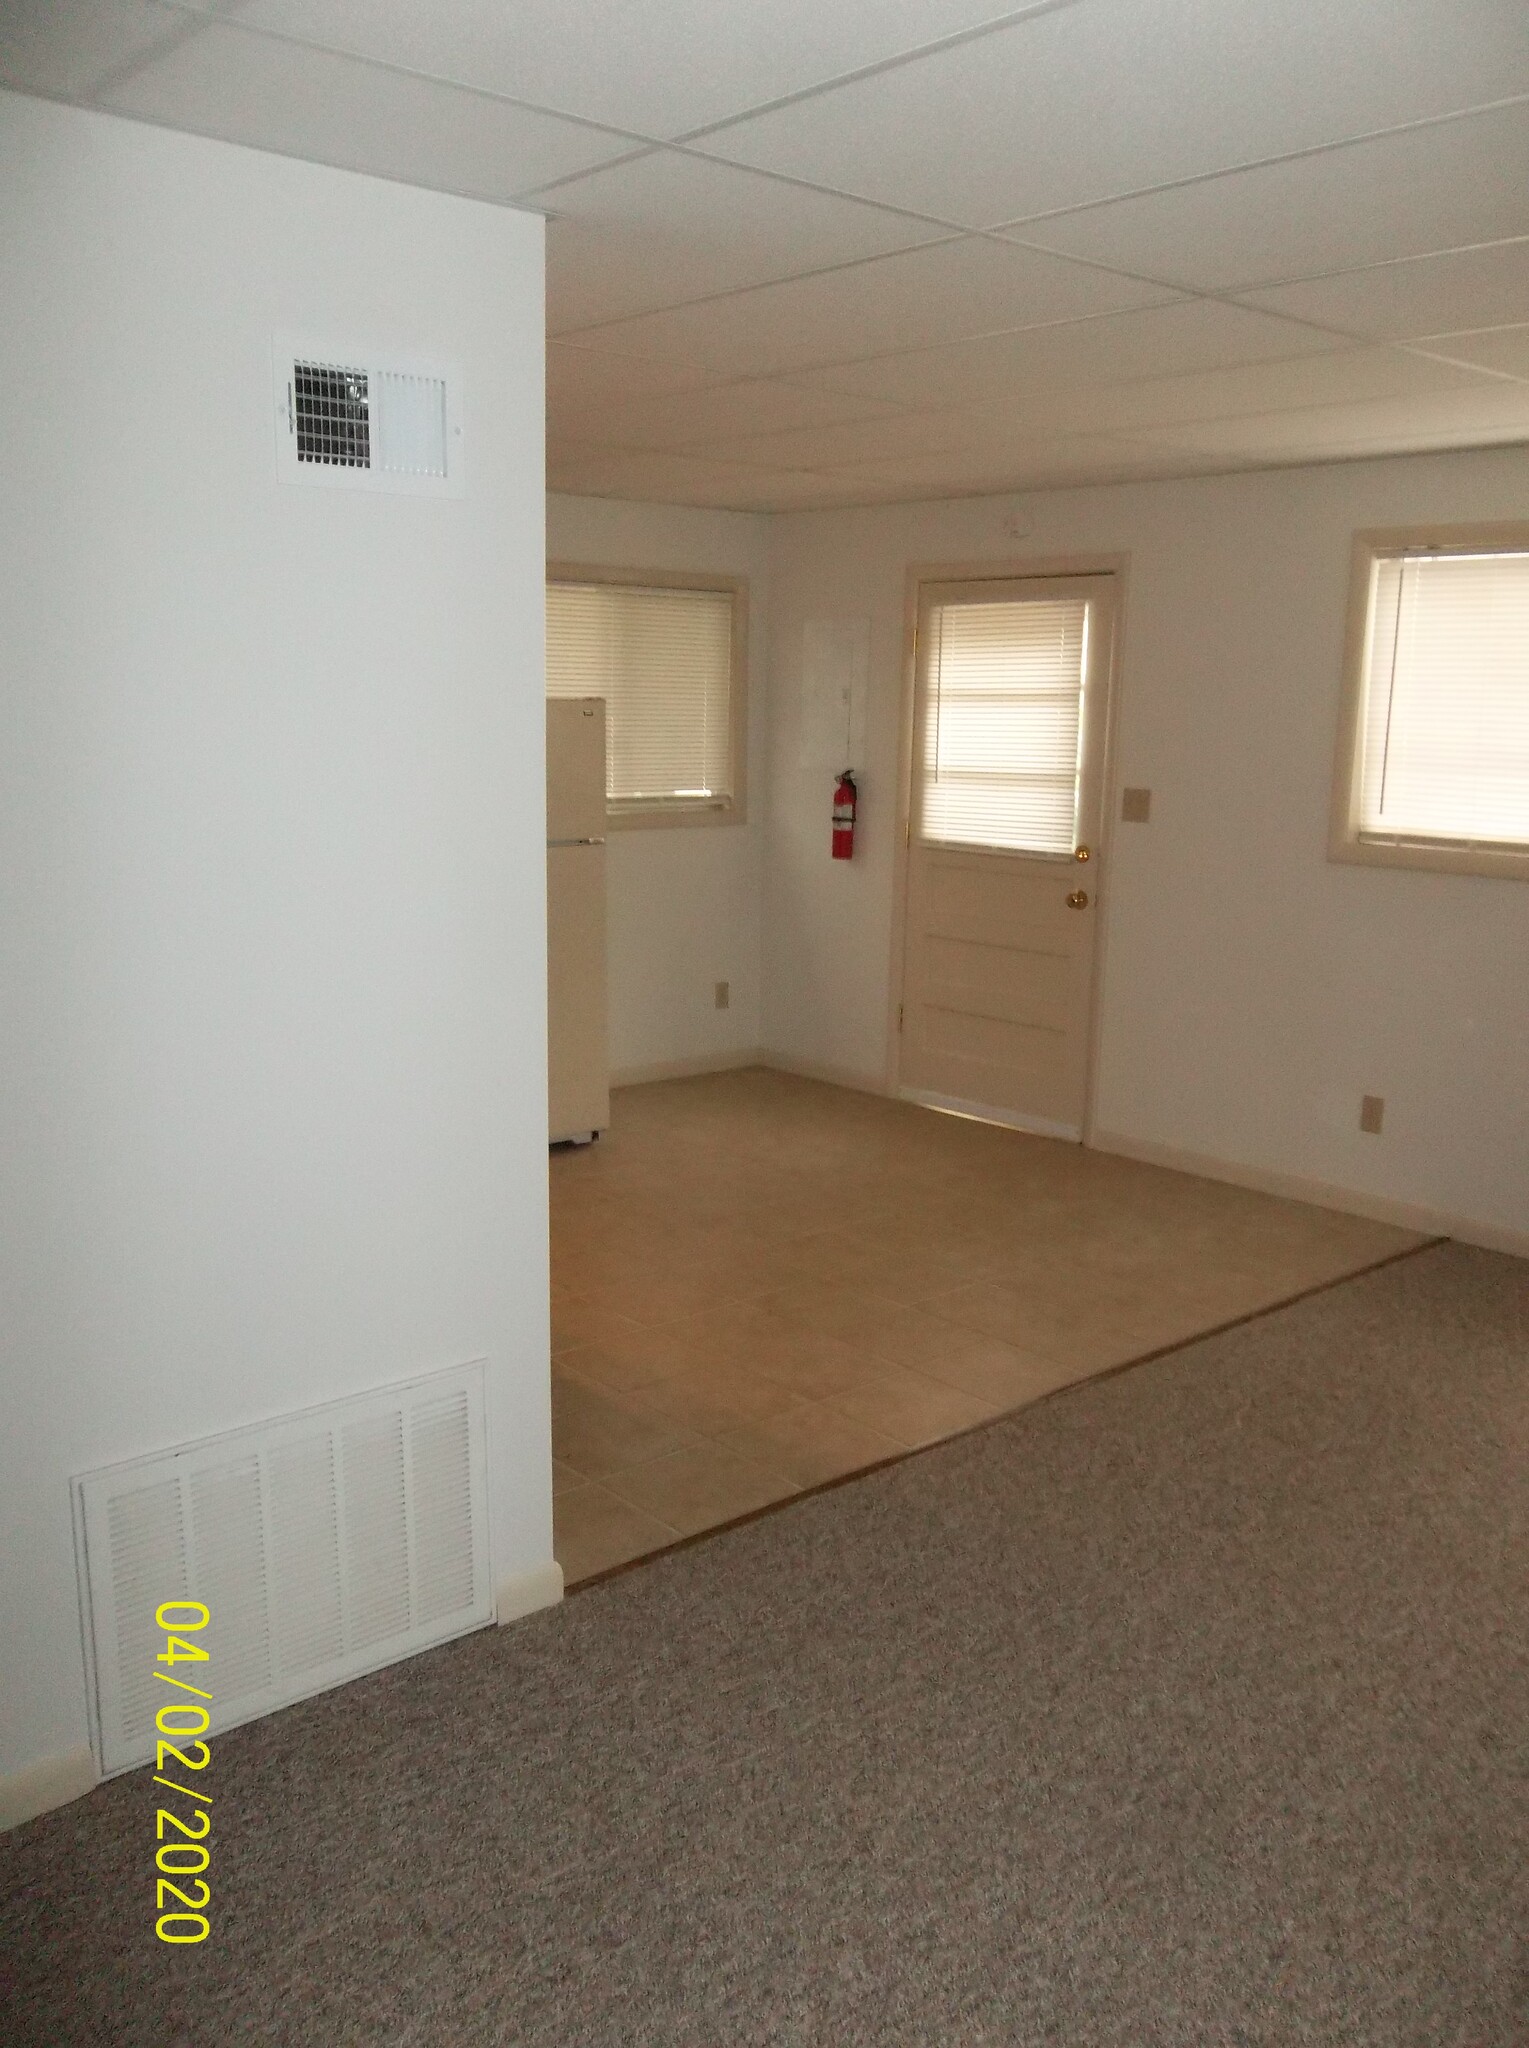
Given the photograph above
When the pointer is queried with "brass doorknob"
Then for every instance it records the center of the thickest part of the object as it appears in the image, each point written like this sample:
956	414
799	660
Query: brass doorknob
1078	900
1083	853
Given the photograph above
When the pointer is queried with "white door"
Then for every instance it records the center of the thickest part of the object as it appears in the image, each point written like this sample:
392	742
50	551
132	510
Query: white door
1005	804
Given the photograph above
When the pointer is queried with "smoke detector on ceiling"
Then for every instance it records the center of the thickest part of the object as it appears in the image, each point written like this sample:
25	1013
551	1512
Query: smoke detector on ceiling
348	418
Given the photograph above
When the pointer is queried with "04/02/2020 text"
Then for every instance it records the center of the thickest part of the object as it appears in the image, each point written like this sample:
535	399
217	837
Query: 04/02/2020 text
183	1851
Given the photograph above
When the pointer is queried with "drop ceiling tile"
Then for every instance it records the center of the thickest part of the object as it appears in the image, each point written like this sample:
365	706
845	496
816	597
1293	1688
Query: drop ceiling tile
1408	194
67	47
1347	377
1057	405
1163	341
804	491
1495	413
1033	464
955	288
595	378
675	480
659	71
1044	408
1504	349
1417	295
667	227
687	418
892	437
275	95
1116	95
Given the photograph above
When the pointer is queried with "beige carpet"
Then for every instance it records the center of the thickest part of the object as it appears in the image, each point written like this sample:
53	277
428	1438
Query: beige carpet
1184	1708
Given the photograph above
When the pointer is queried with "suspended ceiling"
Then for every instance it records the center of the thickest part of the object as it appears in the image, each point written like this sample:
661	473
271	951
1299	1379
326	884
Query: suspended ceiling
828	252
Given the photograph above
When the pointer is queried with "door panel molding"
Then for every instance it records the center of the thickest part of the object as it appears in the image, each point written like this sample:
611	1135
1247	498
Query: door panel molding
1004	570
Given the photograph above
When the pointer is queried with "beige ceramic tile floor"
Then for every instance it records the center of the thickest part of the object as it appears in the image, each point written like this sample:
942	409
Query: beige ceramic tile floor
761	1283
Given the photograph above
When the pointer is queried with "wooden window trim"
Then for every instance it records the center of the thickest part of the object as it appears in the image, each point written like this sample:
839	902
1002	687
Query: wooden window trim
1344	840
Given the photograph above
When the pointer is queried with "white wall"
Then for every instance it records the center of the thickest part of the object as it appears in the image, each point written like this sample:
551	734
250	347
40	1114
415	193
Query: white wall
271	833
1253	990
684	902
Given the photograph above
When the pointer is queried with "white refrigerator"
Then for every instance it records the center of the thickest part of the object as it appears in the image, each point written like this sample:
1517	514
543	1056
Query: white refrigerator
578	1076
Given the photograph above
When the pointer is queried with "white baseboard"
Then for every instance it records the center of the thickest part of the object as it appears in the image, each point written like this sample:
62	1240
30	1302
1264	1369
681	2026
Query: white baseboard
820	1070
680	1070
41	1787
747	1056
518	1594
1297	1188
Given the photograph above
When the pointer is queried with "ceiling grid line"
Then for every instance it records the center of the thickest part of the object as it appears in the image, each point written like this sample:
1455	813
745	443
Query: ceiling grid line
803	254
207	19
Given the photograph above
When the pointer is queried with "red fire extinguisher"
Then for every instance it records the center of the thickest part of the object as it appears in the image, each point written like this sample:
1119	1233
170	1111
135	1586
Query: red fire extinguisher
845	798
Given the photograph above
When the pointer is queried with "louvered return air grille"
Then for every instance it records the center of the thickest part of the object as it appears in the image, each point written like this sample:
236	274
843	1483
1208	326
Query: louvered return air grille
332	415
344	417
323	1545
411	424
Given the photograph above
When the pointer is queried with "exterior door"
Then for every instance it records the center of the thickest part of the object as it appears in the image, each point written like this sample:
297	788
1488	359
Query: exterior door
1010	713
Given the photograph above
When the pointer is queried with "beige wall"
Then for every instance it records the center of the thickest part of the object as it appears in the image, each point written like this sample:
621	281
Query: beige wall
684	903
1253	990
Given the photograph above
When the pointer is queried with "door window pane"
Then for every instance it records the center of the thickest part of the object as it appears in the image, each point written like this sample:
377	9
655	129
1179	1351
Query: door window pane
1003	723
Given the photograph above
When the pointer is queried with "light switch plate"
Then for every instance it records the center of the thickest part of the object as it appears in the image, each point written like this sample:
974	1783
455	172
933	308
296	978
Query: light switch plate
1136	806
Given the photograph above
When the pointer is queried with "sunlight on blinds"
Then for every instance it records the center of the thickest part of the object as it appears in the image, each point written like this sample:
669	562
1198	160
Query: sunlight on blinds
1446	712
1003	723
662	660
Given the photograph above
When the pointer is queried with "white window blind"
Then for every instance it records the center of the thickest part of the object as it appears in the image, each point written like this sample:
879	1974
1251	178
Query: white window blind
662	658
1445	721
1003	723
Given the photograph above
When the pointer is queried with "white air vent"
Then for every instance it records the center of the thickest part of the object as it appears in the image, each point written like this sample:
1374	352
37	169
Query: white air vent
324	1545
347	417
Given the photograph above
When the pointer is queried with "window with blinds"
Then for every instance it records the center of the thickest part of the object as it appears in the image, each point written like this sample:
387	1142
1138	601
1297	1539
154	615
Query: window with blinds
1440	717
1003	723
665	659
